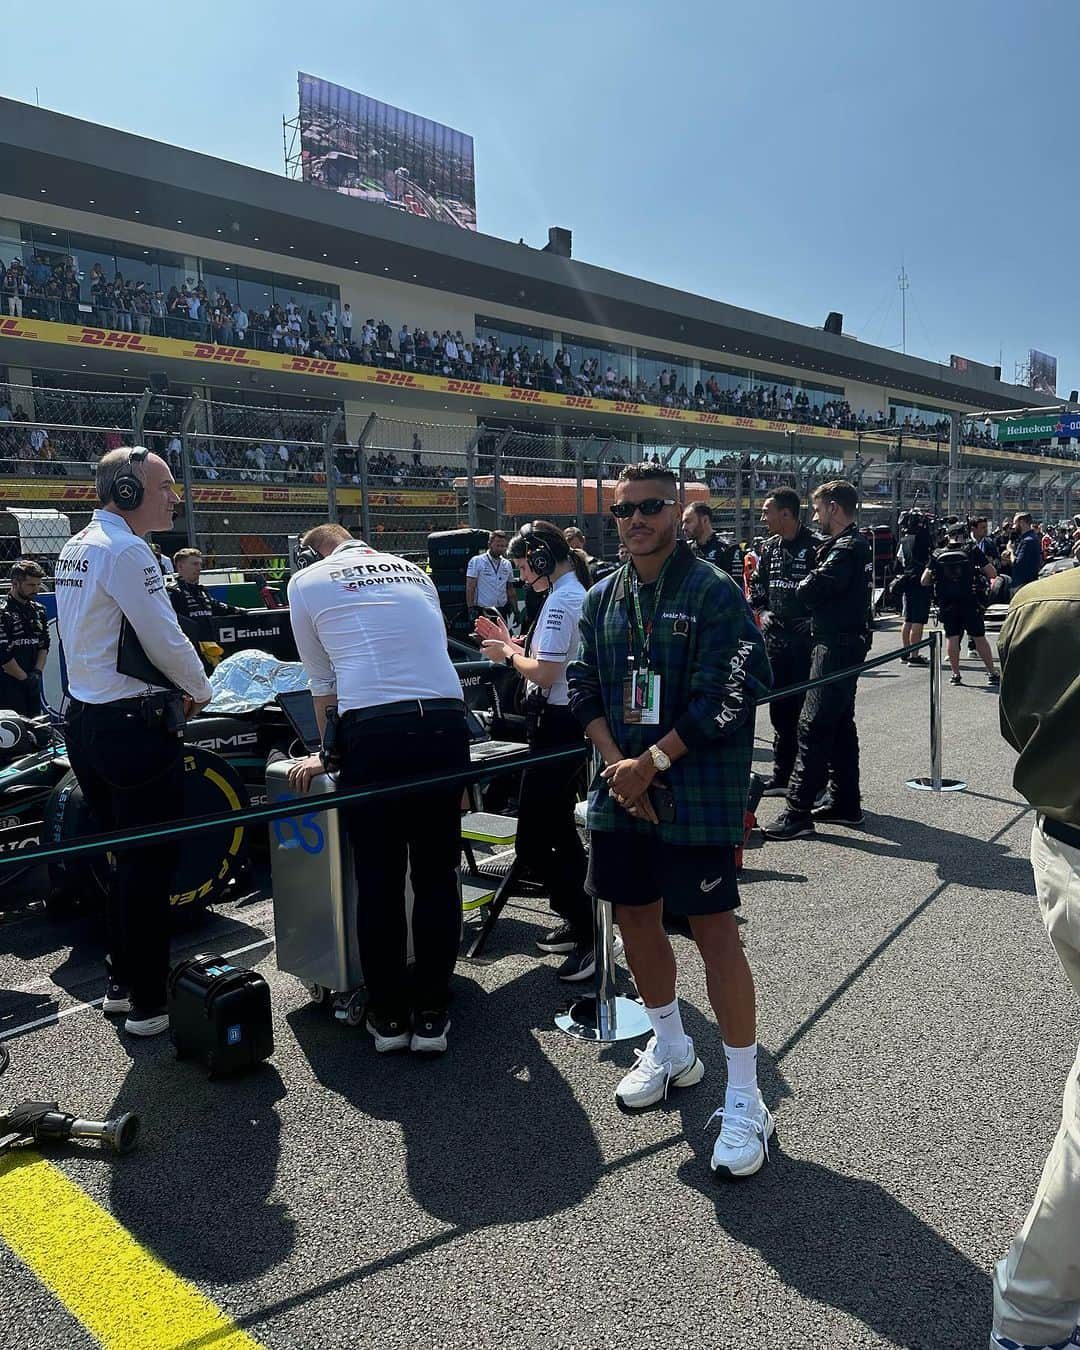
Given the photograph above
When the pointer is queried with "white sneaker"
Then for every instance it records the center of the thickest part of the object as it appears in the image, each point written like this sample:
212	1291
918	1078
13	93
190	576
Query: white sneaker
648	1081
743	1142
1000	1342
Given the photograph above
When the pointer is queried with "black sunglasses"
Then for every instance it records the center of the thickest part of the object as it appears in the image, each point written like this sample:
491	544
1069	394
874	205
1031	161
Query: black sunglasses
651	506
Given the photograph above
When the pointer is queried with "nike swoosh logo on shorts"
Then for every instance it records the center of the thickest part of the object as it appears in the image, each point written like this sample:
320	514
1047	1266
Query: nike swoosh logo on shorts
708	886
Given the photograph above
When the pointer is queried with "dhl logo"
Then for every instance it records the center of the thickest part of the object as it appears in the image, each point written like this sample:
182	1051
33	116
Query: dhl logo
626	407
744	421
710	419
525	395
464	387
307	366
127	342
577	401
397	378
233	356
10	328
670	414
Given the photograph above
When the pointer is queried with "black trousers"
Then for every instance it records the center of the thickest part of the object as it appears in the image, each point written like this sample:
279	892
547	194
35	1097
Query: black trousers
131	774
420	834
548	842
827	734
790	663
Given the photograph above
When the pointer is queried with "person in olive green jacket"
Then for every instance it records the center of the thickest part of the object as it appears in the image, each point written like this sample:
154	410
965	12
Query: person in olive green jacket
1037	1285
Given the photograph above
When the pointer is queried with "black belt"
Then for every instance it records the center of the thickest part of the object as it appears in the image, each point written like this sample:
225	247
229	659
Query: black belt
414	706
1056	829
157	699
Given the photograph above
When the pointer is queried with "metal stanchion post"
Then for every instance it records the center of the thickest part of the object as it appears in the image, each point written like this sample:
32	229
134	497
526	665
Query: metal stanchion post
606	1017
935	782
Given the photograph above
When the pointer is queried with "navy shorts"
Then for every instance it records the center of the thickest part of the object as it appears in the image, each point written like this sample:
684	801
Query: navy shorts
639	869
916	604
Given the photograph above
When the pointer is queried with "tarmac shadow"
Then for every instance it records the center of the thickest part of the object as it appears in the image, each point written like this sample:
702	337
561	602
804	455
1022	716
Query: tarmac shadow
847	1243
493	1133
216	1145
962	858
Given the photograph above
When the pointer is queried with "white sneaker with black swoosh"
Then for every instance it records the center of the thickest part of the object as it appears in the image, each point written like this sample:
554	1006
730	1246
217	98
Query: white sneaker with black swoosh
655	1071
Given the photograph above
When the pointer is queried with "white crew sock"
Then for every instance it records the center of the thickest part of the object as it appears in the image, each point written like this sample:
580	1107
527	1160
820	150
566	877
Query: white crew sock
741	1071
667	1025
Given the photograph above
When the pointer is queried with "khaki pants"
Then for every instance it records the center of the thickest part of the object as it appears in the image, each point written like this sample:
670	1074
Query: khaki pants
1037	1285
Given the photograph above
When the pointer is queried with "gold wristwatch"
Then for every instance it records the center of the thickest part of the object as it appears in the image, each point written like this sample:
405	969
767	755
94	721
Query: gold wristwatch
662	761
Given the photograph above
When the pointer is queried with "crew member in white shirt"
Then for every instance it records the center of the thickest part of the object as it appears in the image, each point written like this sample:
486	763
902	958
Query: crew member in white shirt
487	577
370	633
548	842
124	735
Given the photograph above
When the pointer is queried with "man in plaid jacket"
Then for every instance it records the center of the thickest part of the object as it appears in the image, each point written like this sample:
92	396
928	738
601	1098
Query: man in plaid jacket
666	683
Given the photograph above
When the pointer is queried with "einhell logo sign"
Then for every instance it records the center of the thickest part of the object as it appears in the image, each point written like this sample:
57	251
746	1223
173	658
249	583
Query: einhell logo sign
127	342
208	351
525	395
398	378
304	365
464	387
12	328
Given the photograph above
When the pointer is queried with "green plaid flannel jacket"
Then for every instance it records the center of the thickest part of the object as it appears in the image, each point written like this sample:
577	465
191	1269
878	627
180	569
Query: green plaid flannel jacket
713	668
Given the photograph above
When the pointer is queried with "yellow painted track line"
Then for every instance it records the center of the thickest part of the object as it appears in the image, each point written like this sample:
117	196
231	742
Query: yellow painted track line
118	1290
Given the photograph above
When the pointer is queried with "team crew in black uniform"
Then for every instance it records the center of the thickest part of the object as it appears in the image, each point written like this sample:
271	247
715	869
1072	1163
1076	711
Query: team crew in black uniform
706	543
836	595
787	557
189	599
960	576
24	640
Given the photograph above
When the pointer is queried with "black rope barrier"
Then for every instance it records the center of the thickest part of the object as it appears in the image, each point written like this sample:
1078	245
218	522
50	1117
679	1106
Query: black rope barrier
332	801
846	674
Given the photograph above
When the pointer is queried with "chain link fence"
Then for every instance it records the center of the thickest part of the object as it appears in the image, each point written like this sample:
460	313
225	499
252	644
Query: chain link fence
250	477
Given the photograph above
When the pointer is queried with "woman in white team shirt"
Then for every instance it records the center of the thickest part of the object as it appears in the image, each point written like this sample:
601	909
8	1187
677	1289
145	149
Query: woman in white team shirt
548	843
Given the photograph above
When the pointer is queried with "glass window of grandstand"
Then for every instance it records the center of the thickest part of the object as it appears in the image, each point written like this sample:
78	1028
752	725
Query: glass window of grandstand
597	367
663	376
932	422
523	350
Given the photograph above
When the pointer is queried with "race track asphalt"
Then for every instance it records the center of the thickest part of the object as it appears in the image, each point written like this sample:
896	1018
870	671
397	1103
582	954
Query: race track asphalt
915	1034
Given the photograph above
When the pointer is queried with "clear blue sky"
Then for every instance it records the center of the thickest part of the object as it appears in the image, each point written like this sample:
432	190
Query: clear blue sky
784	155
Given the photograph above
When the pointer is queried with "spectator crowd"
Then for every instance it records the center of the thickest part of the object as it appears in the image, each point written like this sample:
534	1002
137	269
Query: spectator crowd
50	287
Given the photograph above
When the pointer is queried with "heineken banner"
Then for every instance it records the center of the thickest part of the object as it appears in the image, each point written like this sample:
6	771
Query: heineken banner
1038	428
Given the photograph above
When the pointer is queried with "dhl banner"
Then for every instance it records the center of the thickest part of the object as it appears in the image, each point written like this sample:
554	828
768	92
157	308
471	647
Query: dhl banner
142	344
60	490
371	377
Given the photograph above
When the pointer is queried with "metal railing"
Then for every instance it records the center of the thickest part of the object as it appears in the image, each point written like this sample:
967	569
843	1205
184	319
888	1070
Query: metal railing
252	476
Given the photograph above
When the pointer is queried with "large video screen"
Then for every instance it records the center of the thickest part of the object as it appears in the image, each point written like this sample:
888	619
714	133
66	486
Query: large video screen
1043	378
367	149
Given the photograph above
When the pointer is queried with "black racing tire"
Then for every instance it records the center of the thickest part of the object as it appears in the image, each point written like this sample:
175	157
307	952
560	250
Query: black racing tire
208	860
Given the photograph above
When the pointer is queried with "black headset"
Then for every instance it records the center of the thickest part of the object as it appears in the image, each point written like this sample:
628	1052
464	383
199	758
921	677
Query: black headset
305	556
539	553
127	490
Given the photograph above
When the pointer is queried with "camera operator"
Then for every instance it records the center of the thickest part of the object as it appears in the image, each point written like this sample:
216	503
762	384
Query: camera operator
960	577
914	598
487	577
837	595
548	842
24	640
188	597
787	557
125	734
1036	1294
706	543
370	633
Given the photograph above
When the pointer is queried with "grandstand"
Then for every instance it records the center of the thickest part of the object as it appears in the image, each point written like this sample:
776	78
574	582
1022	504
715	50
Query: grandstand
313	353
